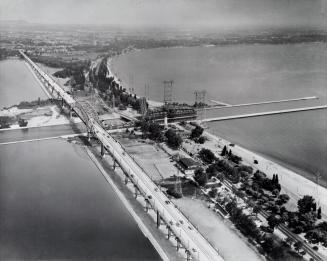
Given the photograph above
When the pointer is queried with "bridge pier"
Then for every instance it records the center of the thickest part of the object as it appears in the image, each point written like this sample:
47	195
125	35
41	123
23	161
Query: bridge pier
114	164
158	219
136	192
169	232
126	180
88	135
102	150
147	205
178	245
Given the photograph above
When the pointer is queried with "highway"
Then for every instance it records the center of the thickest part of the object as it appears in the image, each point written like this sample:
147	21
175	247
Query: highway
69	100
189	236
198	247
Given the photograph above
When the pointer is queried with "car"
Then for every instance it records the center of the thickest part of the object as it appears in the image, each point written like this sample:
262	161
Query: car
167	202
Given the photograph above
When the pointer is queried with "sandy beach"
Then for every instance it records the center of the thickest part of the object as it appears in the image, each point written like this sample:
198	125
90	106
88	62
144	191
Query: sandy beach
295	185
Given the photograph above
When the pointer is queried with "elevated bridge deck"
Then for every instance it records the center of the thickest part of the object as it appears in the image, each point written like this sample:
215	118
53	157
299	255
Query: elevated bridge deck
195	245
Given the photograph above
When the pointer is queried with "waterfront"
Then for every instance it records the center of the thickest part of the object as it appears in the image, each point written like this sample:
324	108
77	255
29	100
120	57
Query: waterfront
247	73
54	202
53	195
17	83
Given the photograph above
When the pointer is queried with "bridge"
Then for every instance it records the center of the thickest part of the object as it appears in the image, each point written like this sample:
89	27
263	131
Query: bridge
179	228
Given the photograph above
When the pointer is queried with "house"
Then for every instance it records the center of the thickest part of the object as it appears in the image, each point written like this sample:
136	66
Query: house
187	166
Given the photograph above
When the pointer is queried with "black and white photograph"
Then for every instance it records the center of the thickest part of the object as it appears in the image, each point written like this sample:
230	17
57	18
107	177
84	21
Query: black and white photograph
174	130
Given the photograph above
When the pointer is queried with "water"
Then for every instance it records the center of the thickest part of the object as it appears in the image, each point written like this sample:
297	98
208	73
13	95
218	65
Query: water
55	204
17	83
242	74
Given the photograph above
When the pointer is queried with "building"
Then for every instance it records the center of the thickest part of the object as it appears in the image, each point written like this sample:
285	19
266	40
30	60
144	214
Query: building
187	166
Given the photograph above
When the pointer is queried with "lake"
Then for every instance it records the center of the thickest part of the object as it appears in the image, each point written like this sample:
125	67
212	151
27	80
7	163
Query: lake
242	74
55	204
17	83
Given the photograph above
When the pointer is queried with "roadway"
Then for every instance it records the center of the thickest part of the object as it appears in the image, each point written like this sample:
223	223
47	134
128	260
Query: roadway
198	247
189	236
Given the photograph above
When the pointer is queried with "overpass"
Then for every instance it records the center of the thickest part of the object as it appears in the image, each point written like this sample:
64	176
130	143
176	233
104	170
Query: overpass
179	228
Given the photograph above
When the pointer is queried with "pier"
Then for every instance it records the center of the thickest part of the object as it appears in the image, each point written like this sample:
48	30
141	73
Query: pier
226	105
249	115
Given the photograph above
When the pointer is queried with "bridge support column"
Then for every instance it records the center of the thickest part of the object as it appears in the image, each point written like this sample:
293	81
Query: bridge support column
102	150
70	112
62	102
158	219
126	180
88	135
147	205
169	232
136	192
178	245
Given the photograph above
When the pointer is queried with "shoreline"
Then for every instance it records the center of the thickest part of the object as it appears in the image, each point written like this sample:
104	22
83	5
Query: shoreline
38	80
142	226
292	175
292	183
275	158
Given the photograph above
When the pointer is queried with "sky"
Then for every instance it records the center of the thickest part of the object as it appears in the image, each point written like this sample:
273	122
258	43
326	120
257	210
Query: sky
186	13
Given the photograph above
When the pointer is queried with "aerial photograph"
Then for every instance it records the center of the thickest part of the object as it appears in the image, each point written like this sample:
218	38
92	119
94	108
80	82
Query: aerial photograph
152	130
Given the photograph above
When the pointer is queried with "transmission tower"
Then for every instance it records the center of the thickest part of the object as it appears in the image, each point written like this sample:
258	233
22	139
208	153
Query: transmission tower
143	106
200	96
168	91
200	101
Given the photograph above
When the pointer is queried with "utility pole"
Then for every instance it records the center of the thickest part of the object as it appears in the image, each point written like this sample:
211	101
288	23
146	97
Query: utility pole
147	91
318	176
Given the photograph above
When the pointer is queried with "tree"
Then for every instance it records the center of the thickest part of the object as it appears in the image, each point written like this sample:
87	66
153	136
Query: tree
305	204
224	151
200	177
319	213
273	221
298	245
196	132
207	155
283	198
173	139
201	140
